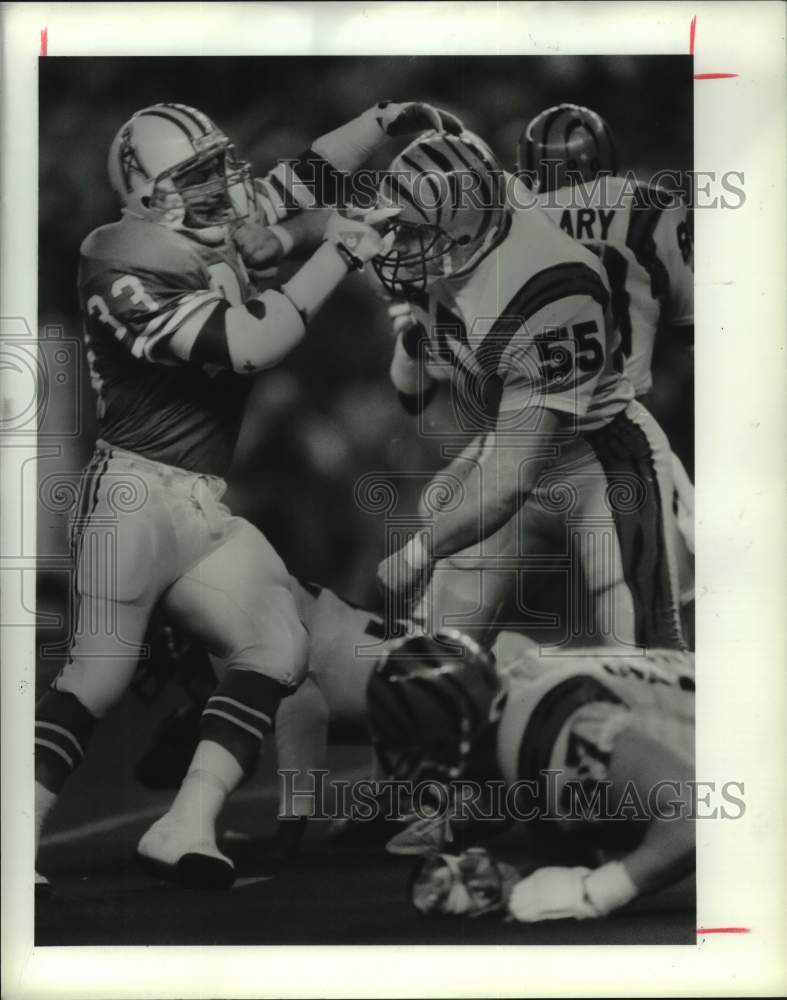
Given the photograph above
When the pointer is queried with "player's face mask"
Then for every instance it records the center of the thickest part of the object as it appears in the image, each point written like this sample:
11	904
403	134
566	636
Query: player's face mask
214	189
420	256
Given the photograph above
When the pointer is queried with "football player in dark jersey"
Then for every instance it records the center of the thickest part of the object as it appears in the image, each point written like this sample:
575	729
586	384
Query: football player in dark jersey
173	327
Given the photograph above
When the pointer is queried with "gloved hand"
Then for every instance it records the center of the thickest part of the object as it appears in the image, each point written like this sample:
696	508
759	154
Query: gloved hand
551	894
356	234
415	116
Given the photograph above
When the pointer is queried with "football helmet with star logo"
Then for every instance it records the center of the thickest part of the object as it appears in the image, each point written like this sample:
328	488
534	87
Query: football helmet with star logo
171	164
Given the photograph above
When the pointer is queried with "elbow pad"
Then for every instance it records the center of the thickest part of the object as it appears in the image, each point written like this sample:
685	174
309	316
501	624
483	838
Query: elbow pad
261	332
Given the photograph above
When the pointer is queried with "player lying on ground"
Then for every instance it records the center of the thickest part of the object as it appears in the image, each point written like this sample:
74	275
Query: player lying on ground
514	315
173	328
567	155
570	740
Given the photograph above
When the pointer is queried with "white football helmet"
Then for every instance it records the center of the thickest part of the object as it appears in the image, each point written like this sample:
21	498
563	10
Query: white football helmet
454	211
171	164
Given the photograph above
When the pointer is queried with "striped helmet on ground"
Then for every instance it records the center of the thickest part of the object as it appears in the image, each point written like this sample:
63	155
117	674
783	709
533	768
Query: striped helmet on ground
451	192
433	702
171	164
566	144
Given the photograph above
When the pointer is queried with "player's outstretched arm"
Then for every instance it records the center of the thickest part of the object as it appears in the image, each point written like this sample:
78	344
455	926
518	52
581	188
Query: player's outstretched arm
290	199
508	476
666	853
490	500
661	780
263	247
349	146
258	334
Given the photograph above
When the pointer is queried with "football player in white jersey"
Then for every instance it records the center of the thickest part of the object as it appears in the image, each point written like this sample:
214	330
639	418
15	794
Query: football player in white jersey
559	743
565	465
567	154
640	231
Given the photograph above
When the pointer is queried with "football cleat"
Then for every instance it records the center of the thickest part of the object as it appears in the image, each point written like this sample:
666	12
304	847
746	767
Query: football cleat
566	144
172	853
422	836
171	164
453	211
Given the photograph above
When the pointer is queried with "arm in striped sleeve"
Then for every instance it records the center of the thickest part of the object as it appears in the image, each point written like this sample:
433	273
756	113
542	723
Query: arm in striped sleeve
319	176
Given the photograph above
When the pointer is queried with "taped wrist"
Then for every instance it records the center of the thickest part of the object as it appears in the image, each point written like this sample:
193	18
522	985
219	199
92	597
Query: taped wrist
313	283
609	887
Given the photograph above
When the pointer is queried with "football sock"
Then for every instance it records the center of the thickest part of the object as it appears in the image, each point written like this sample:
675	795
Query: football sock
62	729
233	725
213	774
240	712
301	745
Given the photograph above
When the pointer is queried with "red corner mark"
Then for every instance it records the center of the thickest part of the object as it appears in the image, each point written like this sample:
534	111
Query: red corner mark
43	42
724	930
704	76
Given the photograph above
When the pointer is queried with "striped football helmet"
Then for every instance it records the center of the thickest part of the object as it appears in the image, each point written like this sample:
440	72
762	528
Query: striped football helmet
433	702
171	164
566	144
451	193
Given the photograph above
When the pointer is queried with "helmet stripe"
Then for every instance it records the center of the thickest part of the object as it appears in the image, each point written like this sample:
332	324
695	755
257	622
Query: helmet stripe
400	190
155	112
437	158
433	187
191	115
486	190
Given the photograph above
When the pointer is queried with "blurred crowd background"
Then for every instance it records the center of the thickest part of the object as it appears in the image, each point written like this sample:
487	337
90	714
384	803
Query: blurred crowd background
326	416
